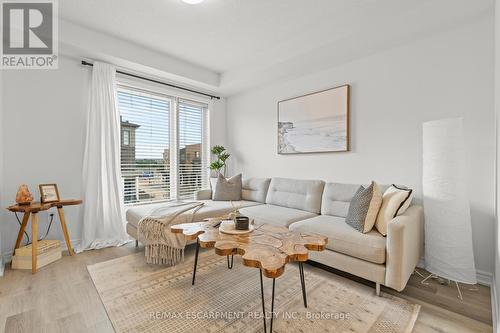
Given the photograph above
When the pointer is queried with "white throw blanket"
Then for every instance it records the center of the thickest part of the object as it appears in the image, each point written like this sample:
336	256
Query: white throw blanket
161	245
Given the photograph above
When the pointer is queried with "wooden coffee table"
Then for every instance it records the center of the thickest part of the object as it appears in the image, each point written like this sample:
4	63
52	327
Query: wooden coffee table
268	247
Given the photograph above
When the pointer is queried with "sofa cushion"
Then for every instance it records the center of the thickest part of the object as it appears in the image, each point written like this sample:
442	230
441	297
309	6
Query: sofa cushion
255	189
275	215
337	198
210	209
344	239
296	193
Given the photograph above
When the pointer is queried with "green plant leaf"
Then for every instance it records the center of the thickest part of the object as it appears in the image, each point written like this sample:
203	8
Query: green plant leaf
224	156
216	165
217	150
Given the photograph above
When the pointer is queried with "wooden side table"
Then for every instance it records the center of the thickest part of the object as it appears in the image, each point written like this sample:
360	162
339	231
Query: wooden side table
33	209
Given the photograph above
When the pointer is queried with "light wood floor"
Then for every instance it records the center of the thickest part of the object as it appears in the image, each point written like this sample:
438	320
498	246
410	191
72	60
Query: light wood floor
439	295
61	298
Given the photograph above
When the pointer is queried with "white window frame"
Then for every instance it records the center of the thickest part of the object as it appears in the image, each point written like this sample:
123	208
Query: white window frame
205	138
174	96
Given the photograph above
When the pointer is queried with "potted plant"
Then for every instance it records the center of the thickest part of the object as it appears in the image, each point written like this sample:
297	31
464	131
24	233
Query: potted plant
220	164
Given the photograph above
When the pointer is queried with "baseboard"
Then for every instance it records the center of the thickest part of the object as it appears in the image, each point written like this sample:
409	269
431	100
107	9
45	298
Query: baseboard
495	308
421	263
484	278
7	257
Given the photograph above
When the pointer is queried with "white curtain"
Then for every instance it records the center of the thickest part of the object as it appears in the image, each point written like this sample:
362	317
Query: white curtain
448	234
103	213
1	257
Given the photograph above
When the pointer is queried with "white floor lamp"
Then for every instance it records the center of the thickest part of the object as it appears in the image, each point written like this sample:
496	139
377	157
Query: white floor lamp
448	232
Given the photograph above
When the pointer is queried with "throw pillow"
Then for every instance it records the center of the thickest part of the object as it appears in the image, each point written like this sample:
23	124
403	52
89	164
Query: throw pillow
213	183
364	208
227	189
395	201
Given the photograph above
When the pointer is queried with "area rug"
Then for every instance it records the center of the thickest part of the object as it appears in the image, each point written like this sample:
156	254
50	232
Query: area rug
146	298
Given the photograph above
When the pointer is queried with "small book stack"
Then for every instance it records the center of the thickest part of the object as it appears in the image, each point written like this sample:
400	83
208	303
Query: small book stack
48	252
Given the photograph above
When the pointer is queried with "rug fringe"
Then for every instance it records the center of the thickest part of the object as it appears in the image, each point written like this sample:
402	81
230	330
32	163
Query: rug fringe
413	318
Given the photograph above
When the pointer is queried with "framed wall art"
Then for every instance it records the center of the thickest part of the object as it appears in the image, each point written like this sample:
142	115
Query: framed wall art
49	193
314	123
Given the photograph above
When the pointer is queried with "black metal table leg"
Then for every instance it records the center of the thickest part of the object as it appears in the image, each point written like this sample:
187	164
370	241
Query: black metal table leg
303	283
263	306
196	259
232	258
272	308
262	295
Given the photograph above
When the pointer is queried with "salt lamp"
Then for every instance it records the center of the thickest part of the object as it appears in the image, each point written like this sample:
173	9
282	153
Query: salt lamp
24	196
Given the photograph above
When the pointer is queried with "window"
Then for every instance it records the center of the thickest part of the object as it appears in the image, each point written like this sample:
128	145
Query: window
164	149
126	137
190	145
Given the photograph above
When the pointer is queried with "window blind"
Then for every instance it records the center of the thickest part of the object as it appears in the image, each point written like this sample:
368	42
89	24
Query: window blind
192	168
164	146
145	142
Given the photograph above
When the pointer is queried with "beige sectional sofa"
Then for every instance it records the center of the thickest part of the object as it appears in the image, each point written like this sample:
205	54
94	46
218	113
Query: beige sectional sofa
316	206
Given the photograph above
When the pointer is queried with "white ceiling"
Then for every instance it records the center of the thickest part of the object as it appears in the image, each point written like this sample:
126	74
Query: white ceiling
248	41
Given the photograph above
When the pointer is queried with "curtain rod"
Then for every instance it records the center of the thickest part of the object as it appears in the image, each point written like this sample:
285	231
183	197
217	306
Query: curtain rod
85	63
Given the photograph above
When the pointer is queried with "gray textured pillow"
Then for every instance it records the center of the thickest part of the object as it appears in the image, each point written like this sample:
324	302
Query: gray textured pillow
227	189
364	208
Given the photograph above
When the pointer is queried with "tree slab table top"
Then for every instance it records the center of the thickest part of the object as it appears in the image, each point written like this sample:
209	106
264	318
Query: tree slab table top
268	247
35	207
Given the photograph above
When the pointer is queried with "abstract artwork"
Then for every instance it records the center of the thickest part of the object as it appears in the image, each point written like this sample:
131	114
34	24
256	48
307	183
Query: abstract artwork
314	123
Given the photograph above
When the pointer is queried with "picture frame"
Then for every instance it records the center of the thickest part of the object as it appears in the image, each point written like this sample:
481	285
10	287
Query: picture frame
49	193
317	122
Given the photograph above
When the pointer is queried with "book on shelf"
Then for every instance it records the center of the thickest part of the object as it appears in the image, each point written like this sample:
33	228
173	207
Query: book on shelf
48	252
43	246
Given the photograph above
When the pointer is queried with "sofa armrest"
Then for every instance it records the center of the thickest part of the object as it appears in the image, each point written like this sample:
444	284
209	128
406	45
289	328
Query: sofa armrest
405	245
203	194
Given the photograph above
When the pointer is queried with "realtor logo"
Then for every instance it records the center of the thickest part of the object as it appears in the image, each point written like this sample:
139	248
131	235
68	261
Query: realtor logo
29	34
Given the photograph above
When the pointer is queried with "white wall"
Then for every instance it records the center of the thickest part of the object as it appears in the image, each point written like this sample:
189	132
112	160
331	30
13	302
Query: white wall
43	132
392	93
44	135
496	285
2	204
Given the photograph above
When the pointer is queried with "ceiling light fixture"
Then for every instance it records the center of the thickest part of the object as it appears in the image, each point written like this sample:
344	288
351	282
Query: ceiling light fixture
193	2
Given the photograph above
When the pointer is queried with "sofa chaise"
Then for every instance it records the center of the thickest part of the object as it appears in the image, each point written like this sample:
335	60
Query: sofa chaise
319	207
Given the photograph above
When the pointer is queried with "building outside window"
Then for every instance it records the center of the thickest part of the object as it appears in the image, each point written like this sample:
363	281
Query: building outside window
164	146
